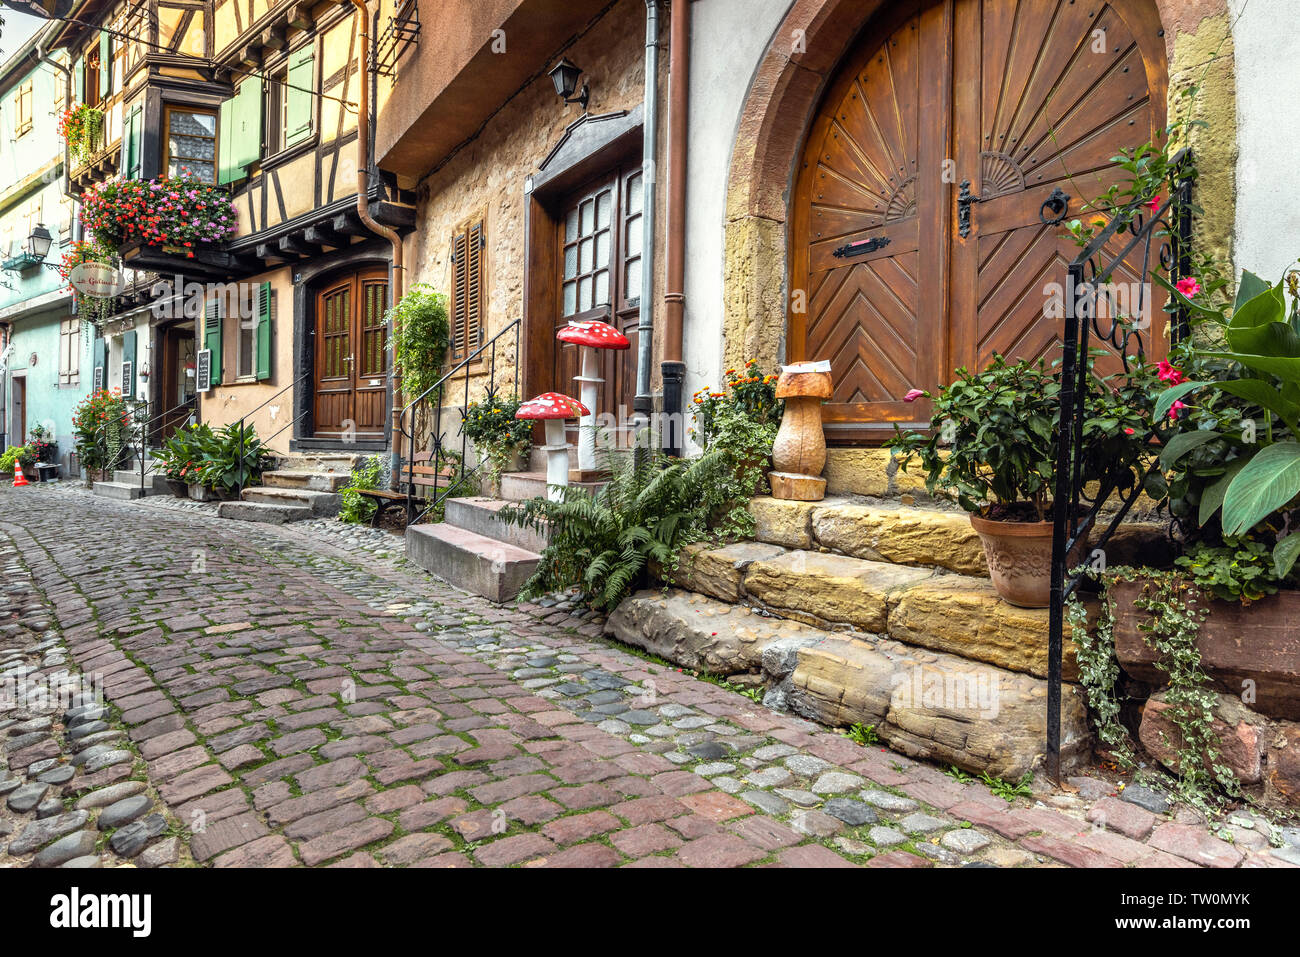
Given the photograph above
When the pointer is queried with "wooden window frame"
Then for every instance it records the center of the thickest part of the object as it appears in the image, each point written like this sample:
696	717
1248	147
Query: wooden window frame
69	351
165	145
460	286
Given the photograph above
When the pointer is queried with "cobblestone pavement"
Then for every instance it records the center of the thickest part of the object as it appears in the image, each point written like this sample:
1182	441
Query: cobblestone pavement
303	695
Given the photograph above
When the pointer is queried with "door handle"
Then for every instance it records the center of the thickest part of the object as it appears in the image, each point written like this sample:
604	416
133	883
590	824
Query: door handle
861	247
1058	203
964	201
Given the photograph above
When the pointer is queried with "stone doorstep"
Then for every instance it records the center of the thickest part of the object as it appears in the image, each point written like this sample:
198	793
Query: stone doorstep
957	614
315	481
930	705
322	504
485	566
482	516
263	512
122	491
518	486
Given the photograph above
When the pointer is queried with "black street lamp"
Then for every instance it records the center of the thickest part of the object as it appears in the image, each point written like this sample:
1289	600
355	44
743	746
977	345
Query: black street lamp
565	77
38	243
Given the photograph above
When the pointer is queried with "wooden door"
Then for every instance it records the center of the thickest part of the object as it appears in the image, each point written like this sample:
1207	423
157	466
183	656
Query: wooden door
1018	97
351	356
19	425
599	261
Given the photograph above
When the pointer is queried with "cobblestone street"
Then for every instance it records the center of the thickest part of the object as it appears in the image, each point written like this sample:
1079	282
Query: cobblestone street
302	696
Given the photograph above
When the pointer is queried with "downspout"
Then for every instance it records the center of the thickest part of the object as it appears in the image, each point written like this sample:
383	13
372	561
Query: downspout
43	57
672	368
363	211
643	405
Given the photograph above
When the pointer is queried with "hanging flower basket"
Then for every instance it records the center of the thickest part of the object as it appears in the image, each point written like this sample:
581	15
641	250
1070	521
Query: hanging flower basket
81	126
178	215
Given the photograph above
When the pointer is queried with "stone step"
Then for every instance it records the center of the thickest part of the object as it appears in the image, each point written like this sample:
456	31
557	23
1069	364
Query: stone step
123	491
924	704
322	462
485	566
957	614
263	512
155	483
320	503
482	516
315	481
517	486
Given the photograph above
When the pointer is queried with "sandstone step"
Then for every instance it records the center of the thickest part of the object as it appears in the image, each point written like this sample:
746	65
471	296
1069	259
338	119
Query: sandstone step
956	614
263	512
517	486
488	567
901	535
319	462
315	481
123	491
320	503
924	704
482	516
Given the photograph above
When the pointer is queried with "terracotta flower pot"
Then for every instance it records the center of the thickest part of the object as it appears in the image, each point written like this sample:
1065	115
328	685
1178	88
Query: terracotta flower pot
1019	556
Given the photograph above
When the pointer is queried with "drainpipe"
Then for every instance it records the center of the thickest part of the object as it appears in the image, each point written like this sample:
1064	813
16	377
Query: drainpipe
43	57
643	405
363	210
672	368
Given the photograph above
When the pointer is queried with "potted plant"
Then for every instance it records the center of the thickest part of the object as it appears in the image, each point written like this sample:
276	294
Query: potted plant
16	457
228	466
101	425
180	457
81	126
179	214
991	446
499	438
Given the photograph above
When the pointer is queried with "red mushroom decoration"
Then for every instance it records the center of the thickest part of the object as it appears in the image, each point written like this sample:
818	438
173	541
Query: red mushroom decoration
591	336
553	408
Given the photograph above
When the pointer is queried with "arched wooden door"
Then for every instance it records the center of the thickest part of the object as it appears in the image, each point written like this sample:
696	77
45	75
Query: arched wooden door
889	280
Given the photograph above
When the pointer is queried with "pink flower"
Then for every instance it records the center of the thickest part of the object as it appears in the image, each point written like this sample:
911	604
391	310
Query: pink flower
1153	204
1176	408
913	395
1188	287
1128	431
1167	373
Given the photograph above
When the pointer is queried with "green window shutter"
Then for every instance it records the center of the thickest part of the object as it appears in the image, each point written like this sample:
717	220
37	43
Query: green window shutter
99	379
240	133
299	105
133	133
264	331
212	338
226	172
128	364
105	63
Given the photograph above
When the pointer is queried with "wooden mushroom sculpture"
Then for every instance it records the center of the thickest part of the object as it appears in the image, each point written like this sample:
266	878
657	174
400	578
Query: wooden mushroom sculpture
591	337
799	452
553	408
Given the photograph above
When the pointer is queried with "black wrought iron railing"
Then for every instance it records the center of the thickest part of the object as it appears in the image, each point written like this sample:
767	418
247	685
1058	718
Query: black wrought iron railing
426	411
1144	241
243	431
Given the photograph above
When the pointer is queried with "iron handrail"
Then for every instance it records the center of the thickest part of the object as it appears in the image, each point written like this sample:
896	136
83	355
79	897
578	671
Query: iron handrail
406	420
1070	522
239	480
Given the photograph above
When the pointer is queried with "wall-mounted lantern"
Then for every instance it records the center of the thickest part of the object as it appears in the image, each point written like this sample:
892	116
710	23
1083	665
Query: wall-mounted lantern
565	77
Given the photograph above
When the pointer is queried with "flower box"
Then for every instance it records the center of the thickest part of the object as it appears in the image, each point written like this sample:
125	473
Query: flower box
1251	648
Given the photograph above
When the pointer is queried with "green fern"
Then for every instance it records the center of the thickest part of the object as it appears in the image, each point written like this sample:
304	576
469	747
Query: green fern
605	543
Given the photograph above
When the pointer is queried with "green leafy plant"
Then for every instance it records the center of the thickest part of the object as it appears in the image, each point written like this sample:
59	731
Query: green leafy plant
863	734
182	454
422	339
358	508
958	775
41	446
497	435
605	543
226	465
993	434
17	455
81	126
100	424
1241	569
1008	790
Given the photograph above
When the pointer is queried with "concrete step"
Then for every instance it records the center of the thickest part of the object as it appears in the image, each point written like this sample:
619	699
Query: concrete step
494	569
939	706
320	503
155	483
123	491
263	512
482	516
957	614
315	481
517	486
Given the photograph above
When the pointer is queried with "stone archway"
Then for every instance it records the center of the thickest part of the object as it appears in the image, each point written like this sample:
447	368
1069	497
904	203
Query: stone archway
788	84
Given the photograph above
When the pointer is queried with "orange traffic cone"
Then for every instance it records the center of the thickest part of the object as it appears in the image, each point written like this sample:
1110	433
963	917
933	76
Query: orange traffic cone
19	478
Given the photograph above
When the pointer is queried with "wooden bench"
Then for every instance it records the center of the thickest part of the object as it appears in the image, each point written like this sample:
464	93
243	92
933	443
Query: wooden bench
421	473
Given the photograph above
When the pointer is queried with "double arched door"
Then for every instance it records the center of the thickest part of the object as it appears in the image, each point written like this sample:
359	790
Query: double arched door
899	272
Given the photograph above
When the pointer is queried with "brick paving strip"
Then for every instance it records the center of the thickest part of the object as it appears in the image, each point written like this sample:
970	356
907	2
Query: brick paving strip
295	706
